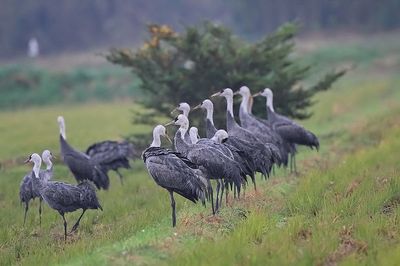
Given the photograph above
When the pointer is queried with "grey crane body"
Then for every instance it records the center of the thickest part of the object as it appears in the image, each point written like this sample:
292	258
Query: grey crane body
28	192
261	130
98	159
82	166
64	197
112	155
174	172
217	164
210	129
291	131
240	149
262	156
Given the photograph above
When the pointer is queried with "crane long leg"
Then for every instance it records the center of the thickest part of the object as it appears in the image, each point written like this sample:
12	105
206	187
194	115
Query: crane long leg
226	193
65	227
253	179
294	163
77	222
121	178
211	192
26	210
222	192
40	211
291	162
218	188
171	193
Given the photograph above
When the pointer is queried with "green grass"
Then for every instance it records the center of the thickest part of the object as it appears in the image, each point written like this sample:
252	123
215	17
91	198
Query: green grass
343	208
24	86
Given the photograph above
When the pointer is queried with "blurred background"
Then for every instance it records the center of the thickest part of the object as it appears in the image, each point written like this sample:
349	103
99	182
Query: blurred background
68	26
52	62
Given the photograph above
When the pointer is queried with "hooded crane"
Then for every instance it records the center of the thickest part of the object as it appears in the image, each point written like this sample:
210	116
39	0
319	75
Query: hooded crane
261	130
63	197
174	172
185	109
243	151
219	141
215	163
27	191
100	158
112	155
264	156
288	129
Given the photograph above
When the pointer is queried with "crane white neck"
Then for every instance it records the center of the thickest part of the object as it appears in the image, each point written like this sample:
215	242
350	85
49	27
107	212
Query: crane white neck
244	105
270	103
183	129
185	112
156	139
49	164
210	113
62	128
36	168
229	104
193	137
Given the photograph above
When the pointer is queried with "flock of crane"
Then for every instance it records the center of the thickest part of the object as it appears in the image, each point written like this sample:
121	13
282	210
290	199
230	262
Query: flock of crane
228	157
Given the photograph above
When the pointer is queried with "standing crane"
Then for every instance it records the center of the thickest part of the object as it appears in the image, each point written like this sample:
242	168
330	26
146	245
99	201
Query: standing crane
99	159
215	163
288	129
63	197
27	191
174	172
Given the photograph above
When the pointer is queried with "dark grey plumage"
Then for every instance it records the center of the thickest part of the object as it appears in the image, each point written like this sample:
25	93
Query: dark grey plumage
215	164
242	151
64	197
172	171
82	166
261	130
27	191
112	155
264	155
290	131
103	156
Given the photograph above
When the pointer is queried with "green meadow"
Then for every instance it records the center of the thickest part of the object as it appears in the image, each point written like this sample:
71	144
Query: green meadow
342	208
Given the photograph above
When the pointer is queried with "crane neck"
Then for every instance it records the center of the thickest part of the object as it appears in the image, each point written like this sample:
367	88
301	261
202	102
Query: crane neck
156	140
183	129
270	103
62	129
210	114
49	164
229	104
185	112
36	169
244	105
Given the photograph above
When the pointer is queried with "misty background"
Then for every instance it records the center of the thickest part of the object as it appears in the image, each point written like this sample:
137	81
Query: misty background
65	26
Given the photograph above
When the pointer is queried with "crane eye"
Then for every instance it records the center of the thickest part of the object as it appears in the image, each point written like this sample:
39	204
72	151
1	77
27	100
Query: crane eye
221	91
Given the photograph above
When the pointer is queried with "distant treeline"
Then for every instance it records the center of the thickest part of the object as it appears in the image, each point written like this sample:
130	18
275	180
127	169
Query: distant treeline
73	24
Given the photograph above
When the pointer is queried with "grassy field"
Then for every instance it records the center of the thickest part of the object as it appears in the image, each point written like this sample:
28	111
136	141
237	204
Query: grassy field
341	209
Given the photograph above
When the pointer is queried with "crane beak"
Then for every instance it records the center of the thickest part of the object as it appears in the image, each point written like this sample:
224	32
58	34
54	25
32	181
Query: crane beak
168	138
27	161
169	123
173	111
215	94
257	94
196	107
236	93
